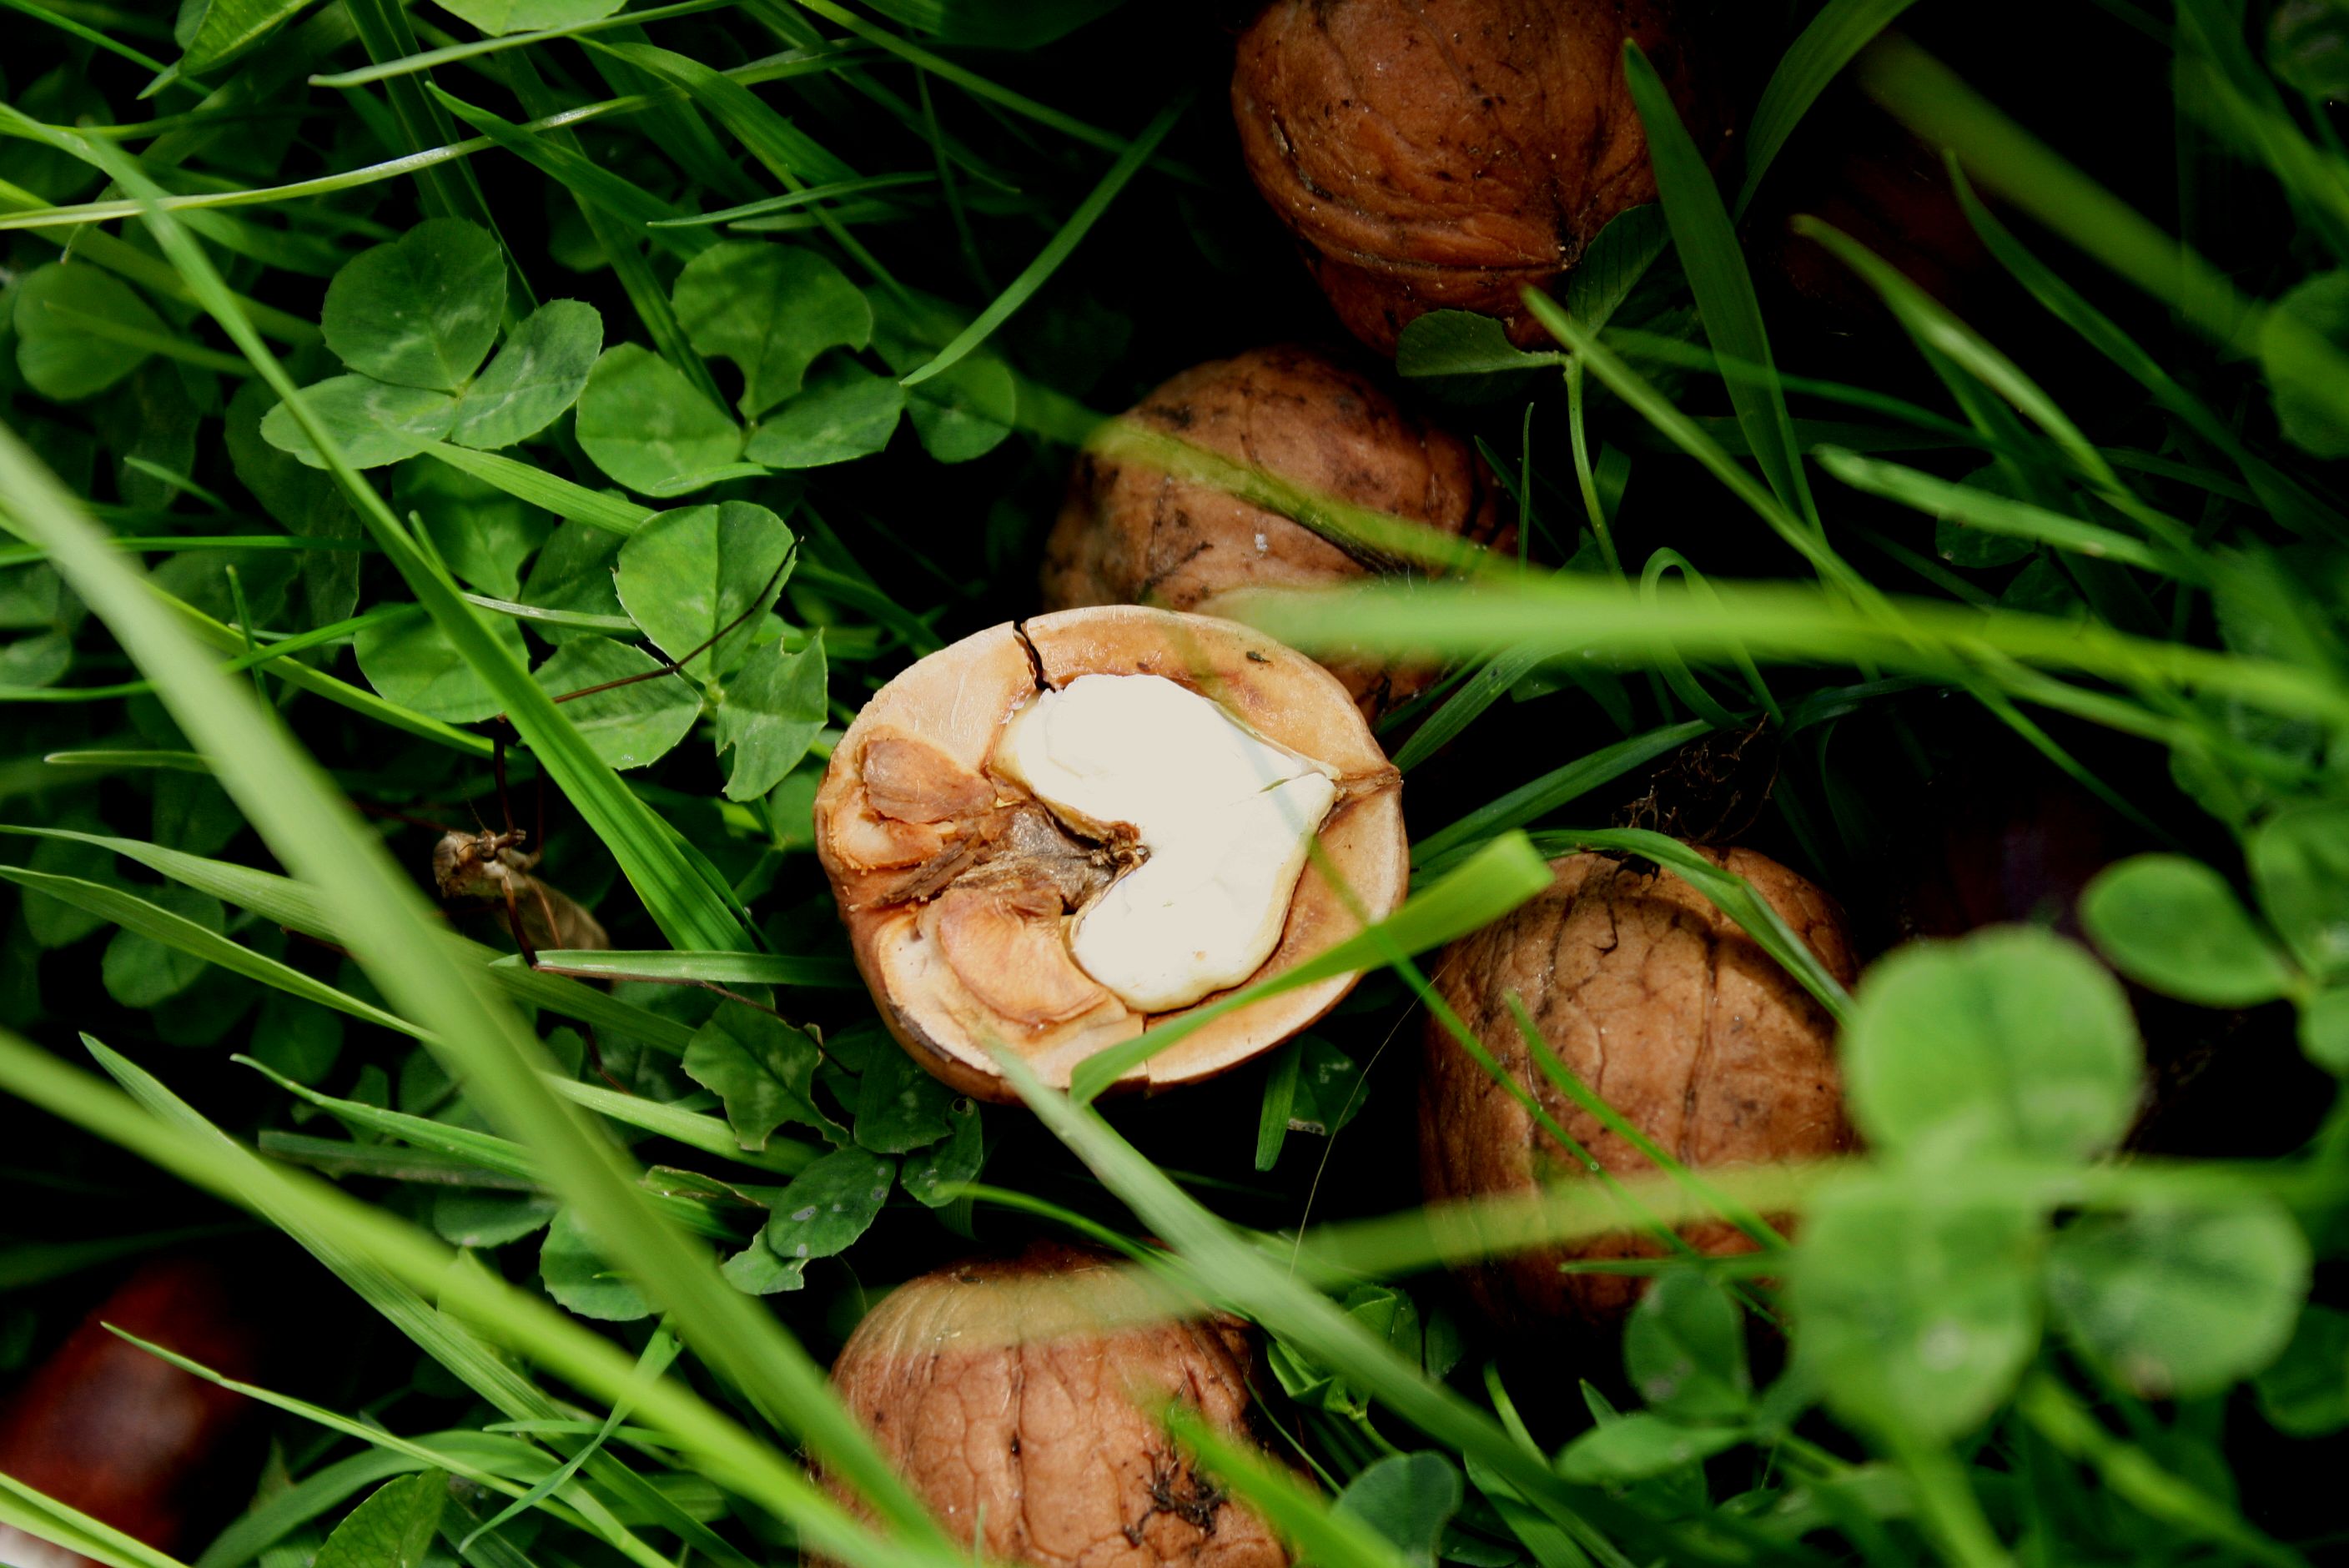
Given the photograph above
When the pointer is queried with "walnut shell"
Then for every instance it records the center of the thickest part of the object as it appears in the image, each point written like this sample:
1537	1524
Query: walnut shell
126	1437
1018	1392
1672	1014
954	880
1448	154
1131	534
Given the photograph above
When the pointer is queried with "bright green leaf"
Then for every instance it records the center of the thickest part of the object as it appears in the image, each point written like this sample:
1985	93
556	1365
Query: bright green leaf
2011	1039
900	1107
691	574
757	1271
410	661
1916	1302
2174	925
581	1281
770	309
482	533
1684	1350
933	1177
500	16
772	710
392	1529
373	421
2300	385
1641	1445
831	1203
629	726
2178	1302
539	373
1407	1499
845	413
421	310
61	313
468	1217
647	426
763	1071
2300	864
574	572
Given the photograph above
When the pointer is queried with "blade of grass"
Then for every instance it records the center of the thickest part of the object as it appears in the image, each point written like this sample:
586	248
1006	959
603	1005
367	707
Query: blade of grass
1057	250
383	918
1537	797
691	968
409	64
178	932
1493	680
1498	878
1715	262
390	1262
1816	57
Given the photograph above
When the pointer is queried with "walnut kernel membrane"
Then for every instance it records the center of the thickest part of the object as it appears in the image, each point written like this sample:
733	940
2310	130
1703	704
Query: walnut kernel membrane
1032	847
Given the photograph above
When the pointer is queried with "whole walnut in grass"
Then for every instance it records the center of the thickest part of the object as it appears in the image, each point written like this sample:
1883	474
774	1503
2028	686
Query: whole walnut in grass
1016	1397
1448	154
1666	1009
1131	533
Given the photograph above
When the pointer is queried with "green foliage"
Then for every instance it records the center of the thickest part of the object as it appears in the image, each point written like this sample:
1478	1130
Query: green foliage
395	487
393	1528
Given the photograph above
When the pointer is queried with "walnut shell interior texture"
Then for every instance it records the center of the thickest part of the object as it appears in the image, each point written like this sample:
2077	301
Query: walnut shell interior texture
1448	154
956	883
1676	1018
1130	533
1017	1392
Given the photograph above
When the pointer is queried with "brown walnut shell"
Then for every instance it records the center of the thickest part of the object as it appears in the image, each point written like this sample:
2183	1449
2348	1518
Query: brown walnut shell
1665	1008
1018	1393
1132	534
1449	154
954	882
126	1437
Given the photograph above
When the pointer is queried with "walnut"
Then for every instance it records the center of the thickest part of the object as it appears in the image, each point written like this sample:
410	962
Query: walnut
1662	1005
992	885
1015	1395
1449	154
1130	533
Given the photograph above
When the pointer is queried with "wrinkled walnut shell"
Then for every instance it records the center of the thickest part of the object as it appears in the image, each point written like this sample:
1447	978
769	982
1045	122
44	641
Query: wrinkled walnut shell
1132	534
1677	1018
953	881
1018	1392
1449	154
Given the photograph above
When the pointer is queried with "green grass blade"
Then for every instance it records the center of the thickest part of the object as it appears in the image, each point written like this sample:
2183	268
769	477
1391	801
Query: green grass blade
1498	878
390	1262
385	922
1727	892
409	64
178	932
526	481
1993	514
718	968
1840	30
1715	264
1537	797
1265	1290
1058	249
1492	682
